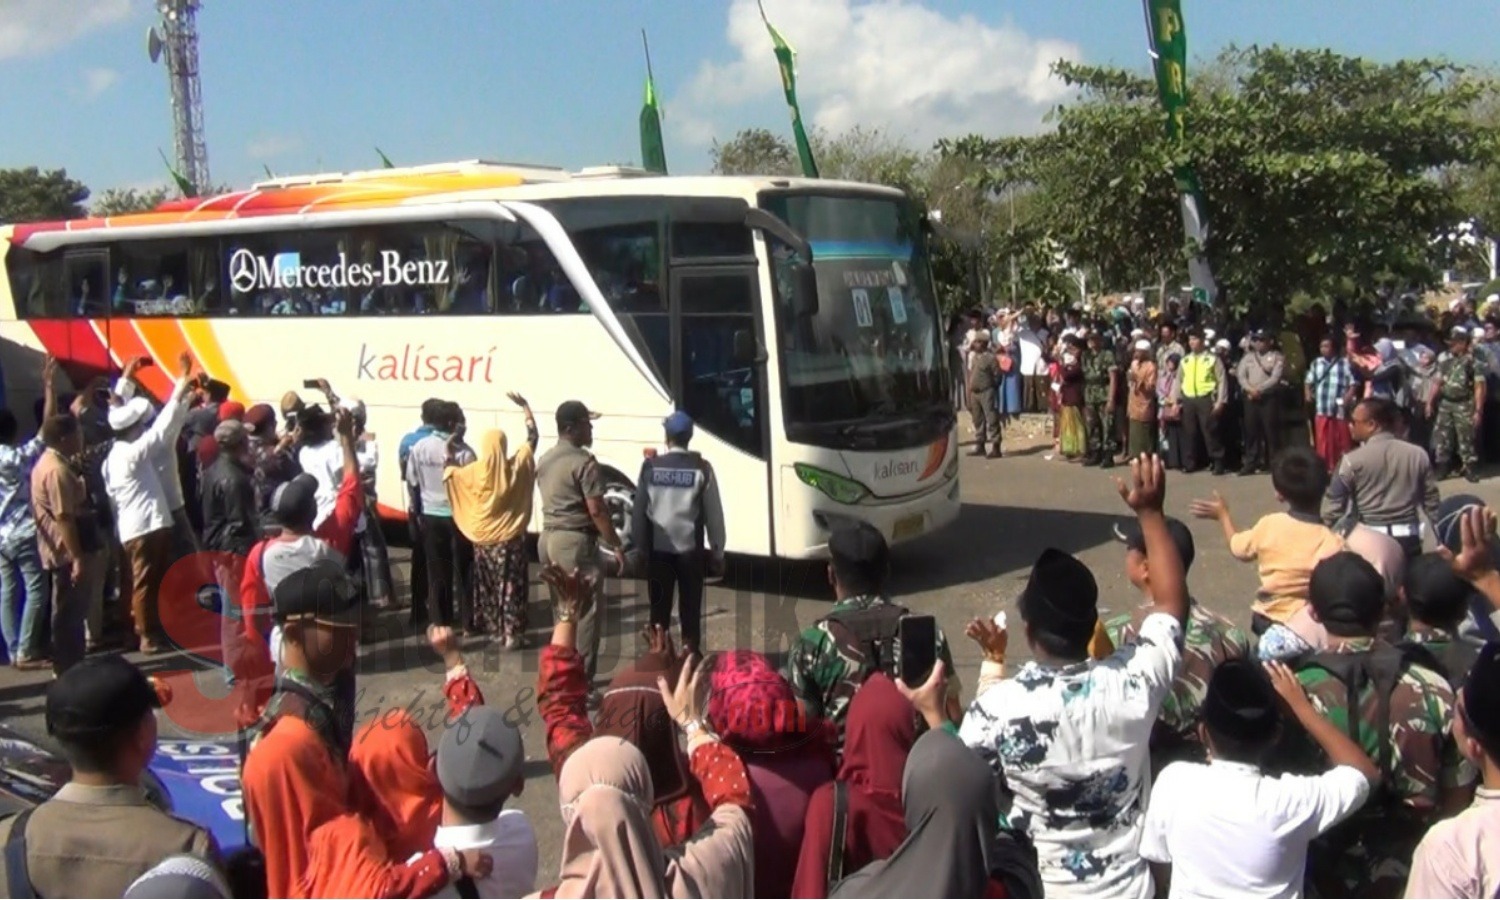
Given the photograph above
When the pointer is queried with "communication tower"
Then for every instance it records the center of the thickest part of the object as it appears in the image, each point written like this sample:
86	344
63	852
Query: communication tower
175	37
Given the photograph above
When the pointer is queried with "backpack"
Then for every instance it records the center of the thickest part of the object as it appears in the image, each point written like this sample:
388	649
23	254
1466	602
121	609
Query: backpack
1453	661
875	630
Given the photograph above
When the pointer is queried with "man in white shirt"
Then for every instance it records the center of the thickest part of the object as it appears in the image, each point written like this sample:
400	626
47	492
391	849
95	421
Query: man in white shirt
1070	735
1251	840
143	511
165	460
479	762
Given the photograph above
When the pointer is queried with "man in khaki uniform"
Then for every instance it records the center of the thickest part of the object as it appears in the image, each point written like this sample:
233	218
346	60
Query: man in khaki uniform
575	521
98	834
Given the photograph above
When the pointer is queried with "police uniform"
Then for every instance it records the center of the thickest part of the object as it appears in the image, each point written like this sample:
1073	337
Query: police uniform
1099	366
94	841
1205	387
984	377
676	505
1453	430
1261	373
1384	483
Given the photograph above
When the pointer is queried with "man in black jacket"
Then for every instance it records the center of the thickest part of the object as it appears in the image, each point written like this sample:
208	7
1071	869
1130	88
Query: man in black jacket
231	520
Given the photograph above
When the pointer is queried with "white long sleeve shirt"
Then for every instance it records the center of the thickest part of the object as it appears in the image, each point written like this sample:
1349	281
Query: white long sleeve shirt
131	475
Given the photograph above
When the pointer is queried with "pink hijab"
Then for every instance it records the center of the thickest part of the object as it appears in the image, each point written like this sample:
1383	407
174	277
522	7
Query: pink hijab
609	844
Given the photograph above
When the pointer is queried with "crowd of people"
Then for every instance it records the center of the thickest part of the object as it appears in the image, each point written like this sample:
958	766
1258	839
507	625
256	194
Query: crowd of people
1348	730
1206	393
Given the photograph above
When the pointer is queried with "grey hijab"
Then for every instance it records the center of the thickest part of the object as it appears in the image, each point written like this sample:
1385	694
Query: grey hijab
952	813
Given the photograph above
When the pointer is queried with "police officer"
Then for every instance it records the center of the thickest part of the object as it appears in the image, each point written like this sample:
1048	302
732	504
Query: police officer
1385	483
1205	391
676	506
1454	407
575	521
984	376
1259	374
98	833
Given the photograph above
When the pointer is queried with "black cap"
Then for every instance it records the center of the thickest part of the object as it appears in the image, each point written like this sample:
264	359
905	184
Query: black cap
1346	591
1240	702
295	504
1481	696
479	757
573	412
323	592
1061	596
99	697
859	543
1131	534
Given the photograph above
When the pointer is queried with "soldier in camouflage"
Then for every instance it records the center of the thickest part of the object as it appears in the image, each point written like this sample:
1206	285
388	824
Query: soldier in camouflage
1210	640
1455	406
1356	684
1101	375
828	662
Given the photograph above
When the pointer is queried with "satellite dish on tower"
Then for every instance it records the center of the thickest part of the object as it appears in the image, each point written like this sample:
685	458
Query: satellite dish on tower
153	44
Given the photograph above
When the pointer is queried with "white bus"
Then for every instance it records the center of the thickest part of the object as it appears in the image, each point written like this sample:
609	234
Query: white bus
793	319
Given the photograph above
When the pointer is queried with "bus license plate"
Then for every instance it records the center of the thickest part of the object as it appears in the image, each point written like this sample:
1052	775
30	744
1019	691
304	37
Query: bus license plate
911	526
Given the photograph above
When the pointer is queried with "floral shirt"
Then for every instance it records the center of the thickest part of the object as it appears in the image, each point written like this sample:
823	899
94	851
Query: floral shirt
1072	745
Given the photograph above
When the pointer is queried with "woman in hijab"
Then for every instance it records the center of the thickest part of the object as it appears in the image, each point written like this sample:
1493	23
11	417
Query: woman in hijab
392	784
1421	382
1071	435
610	848
632	710
952	810
491	499
878	736
753	708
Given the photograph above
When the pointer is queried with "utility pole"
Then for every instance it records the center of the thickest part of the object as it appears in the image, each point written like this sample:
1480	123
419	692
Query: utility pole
1010	191
176	37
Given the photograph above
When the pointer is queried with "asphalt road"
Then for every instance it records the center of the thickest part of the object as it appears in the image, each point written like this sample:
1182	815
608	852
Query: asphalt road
1013	509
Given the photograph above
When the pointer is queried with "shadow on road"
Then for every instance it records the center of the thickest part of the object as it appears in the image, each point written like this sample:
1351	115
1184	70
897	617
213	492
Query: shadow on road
988	541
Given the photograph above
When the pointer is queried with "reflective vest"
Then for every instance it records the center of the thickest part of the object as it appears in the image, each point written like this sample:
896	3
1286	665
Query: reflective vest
1199	375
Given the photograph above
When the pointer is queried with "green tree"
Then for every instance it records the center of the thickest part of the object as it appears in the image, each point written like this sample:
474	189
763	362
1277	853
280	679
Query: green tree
123	201
754	151
32	195
1317	169
870	155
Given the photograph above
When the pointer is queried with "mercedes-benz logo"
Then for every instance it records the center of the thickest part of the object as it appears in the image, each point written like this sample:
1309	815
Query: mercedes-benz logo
242	271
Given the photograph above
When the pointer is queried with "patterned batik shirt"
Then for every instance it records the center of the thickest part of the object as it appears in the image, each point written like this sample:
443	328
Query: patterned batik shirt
1072	744
1211	639
17	523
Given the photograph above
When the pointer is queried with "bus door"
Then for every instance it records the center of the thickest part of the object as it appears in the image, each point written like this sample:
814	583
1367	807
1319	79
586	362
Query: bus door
719	378
86	289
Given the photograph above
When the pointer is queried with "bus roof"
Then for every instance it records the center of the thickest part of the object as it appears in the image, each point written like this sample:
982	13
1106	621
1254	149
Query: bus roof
438	183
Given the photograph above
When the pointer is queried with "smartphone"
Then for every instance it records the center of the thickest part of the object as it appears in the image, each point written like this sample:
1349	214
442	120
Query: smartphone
918	638
146	363
310	384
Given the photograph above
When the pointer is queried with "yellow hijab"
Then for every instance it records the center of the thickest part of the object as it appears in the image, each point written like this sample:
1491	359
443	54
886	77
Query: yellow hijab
491	496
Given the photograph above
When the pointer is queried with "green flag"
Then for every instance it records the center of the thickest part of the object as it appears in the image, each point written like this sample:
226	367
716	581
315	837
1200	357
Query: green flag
1168	36
184	187
384	160
786	58
653	151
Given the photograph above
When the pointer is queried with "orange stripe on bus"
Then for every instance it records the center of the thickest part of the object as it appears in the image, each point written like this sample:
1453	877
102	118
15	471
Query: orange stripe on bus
126	344
205	348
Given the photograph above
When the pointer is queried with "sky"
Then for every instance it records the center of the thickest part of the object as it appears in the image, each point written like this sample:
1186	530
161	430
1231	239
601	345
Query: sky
302	86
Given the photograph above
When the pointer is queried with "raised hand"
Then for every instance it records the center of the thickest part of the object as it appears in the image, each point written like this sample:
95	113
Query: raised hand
991	638
185	364
518	400
1473	561
1216	508
1148	488
1293	695
574	592
49	370
687	700
444	642
343	422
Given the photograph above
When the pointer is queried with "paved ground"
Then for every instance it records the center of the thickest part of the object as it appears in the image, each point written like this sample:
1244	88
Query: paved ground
1013	508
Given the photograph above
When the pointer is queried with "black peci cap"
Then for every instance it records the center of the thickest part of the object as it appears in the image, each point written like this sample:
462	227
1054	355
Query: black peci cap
1240	702
98	697
573	412
321	592
1061	596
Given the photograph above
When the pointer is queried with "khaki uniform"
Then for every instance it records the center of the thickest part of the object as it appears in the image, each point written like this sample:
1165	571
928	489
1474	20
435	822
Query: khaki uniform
94	841
984	375
567	476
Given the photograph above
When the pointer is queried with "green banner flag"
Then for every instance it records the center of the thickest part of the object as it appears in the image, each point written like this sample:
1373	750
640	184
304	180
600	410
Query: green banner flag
786	58
653	150
1168	34
184	187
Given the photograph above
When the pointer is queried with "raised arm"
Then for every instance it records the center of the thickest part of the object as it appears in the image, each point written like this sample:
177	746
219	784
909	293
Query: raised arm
168	423
533	437
49	387
1145	495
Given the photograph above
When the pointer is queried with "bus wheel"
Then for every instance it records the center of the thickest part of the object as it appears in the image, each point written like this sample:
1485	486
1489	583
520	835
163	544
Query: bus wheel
619	499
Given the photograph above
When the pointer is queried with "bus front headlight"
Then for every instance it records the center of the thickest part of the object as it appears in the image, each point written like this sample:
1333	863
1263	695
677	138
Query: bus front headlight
836	487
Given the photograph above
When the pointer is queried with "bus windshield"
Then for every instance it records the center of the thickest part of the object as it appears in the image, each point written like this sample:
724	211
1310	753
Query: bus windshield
867	369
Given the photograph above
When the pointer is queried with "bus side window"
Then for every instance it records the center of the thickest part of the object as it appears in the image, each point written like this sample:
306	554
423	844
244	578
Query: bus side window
86	279
36	283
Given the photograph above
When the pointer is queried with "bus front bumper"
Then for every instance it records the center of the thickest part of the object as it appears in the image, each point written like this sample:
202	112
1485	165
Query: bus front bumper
809	517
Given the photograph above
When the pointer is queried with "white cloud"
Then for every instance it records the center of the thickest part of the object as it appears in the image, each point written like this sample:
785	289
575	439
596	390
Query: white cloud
272	145
892	64
97	81
33	27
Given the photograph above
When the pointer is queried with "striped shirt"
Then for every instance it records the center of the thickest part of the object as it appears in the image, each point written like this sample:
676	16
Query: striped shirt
1329	380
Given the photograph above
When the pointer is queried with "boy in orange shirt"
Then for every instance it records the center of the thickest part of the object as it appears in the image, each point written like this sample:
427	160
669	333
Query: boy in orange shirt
1285	545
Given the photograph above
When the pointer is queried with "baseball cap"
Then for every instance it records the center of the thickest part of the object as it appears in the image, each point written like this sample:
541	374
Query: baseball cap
479	757
678	423
321	592
296	502
98	697
1130	534
573	412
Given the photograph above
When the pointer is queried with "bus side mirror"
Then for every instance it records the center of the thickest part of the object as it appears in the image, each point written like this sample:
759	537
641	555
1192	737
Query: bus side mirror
805	284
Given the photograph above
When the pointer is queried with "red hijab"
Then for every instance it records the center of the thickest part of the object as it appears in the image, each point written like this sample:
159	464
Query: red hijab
879	731
391	783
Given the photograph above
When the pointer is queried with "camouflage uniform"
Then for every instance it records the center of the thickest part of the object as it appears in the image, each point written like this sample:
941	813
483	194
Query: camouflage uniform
1453	430
1210	640
1369	855
1098	422
825	669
